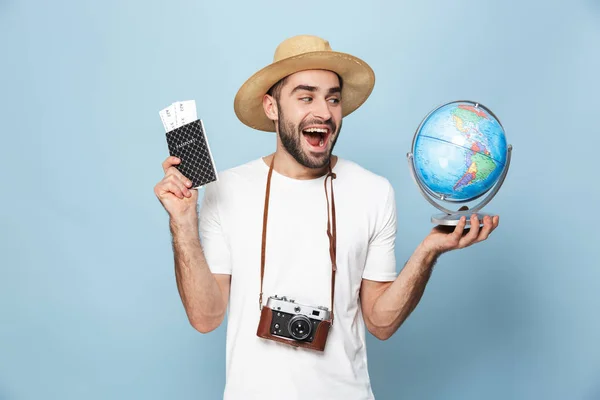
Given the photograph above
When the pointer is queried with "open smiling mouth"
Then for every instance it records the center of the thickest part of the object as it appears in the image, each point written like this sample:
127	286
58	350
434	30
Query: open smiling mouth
317	138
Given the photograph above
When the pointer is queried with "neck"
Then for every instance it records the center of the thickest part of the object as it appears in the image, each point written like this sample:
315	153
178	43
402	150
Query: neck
286	165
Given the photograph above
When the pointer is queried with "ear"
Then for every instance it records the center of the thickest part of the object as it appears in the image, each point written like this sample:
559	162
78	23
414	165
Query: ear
270	107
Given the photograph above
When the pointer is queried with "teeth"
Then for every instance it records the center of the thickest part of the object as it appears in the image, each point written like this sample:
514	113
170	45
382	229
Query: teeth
321	143
316	130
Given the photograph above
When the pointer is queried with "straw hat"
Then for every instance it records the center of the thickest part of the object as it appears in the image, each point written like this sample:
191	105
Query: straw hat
301	53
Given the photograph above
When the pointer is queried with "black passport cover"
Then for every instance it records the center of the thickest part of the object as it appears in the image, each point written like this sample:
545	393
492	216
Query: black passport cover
188	143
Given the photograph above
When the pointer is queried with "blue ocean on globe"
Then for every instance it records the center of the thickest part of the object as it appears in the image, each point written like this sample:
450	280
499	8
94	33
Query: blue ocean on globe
459	151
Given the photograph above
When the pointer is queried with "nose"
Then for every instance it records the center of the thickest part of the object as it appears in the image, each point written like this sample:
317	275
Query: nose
321	109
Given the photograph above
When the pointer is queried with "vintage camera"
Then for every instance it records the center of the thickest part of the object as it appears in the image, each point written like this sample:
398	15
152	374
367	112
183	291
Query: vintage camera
299	325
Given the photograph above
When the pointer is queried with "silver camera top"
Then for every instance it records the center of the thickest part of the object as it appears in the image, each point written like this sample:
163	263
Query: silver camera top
290	306
283	298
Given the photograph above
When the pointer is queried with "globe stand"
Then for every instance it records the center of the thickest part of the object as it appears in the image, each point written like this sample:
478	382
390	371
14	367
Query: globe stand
449	217
454	218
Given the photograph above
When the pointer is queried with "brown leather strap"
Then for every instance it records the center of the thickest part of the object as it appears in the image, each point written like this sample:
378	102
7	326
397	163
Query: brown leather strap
264	233
331	233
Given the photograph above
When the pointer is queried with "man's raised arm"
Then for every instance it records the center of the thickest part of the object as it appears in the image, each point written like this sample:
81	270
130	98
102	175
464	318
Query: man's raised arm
204	294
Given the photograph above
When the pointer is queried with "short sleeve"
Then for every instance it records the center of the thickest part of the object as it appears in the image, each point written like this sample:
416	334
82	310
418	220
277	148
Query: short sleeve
212	238
380	263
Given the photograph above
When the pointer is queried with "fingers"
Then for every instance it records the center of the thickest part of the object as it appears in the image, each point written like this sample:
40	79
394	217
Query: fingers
458	231
178	177
489	224
174	181
174	187
470	237
169	162
170	169
487	228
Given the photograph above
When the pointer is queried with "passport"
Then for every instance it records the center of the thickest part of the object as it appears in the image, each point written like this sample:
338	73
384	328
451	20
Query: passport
188	142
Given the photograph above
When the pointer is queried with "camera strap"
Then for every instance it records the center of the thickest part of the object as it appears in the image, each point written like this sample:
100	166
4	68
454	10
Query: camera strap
331	232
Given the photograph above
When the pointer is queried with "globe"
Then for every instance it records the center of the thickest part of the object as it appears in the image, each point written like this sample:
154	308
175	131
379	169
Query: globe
459	153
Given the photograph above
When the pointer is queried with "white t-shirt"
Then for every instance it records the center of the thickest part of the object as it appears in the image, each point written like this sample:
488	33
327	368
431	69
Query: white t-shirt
298	266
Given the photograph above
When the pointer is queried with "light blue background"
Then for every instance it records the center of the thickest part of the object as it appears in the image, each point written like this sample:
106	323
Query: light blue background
88	303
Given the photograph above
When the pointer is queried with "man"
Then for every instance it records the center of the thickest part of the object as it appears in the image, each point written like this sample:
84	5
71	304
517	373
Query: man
223	254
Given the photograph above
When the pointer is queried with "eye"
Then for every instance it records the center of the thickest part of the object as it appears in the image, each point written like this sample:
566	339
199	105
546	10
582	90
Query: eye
306	99
334	100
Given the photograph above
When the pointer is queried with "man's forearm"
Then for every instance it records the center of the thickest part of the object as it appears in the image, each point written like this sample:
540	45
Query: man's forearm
398	301
198	289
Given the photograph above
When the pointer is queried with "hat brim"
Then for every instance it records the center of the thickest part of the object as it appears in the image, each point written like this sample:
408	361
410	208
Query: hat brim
358	82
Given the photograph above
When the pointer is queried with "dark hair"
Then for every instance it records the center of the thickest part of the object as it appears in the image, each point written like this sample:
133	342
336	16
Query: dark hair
275	90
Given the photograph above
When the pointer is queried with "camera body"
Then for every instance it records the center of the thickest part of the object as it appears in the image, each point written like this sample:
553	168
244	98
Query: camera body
299	325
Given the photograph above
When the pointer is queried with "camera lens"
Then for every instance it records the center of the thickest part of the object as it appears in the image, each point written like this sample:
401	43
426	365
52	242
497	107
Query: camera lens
299	327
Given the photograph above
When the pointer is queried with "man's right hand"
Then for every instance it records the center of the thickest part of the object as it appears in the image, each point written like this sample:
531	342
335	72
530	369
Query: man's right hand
174	194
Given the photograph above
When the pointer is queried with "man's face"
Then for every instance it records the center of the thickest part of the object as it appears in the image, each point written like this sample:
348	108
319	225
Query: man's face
310	116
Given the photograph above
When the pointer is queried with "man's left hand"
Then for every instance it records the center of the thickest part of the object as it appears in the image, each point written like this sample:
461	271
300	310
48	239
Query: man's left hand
442	238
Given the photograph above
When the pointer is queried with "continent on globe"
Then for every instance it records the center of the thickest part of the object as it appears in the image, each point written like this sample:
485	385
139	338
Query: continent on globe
480	166
464	115
479	112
